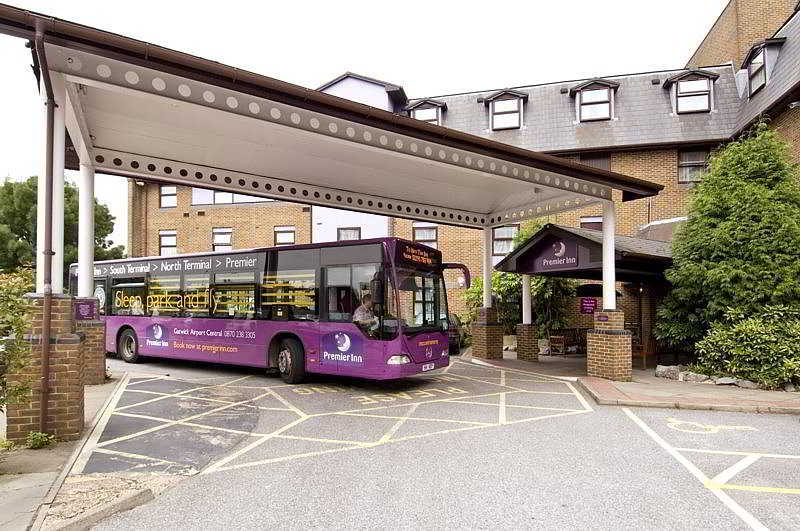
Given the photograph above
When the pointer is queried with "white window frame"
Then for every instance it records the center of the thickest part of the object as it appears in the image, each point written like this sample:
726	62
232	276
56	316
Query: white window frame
423	225
285	229
221	246
579	103
339	234
167	234
751	72
590	219
162	195
519	112
709	93
692	164
435	121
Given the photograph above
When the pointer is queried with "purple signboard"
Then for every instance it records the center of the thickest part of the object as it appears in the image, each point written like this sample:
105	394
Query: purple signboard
558	254
588	304
84	310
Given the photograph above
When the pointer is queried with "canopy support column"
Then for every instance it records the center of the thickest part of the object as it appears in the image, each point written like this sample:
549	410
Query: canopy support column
59	139
86	231
527	347
608	345
487	267
487	334
609	269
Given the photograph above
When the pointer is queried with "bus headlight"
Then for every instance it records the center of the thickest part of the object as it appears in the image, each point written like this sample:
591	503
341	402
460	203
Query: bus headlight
398	359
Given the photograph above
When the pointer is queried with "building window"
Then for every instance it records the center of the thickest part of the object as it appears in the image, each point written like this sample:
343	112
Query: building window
694	95
169	197
201	196
595	104
503	241
692	163
284	235
506	114
427	114
757	72
222	239
348	233
592	222
425	233
167	242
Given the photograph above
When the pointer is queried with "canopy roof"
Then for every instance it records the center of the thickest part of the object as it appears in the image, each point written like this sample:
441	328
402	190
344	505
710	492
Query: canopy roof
558	251
144	111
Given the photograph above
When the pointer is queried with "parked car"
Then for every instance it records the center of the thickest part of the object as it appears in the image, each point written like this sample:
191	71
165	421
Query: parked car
456	334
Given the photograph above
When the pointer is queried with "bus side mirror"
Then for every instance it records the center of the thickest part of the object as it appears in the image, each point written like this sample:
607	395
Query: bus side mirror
376	290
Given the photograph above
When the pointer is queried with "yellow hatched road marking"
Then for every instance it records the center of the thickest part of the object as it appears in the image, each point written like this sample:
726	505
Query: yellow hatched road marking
727	486
416	418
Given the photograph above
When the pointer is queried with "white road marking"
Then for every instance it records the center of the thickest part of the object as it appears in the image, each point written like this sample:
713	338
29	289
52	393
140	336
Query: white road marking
727	452
737	509
724	476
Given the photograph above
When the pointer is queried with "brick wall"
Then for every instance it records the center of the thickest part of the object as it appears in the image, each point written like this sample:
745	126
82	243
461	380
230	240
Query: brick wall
787	124
65	398
740	25
253	223
94	351
608	347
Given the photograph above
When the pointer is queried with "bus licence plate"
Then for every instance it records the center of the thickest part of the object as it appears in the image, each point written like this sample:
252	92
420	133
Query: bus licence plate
428	367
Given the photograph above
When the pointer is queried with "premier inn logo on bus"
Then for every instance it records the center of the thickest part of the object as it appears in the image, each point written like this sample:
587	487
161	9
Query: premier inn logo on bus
342	348
156	336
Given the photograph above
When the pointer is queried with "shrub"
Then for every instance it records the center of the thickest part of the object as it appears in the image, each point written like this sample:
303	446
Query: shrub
764	348
37	439
740	247
13	324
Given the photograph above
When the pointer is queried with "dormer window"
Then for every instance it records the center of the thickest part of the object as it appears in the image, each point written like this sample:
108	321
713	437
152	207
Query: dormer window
760	61
595	104
691	91
427	110
757	72
694	95
505	109
507	114
594	100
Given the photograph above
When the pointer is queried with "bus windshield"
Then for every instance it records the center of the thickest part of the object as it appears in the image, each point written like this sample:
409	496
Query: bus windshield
422	300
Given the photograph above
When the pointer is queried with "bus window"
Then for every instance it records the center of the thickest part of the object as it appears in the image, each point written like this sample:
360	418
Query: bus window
127	296
164	296
289	295
196	295
233	295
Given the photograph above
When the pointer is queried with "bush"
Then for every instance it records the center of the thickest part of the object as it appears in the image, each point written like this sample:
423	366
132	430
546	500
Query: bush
37	439
13	324
740	247
763	348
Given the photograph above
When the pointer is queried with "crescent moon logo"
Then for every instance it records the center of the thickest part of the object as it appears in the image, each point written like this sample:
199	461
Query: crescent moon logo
559	249
157	332
342	342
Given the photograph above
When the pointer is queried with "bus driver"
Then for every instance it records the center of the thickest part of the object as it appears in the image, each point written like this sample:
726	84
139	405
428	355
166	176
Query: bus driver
363	315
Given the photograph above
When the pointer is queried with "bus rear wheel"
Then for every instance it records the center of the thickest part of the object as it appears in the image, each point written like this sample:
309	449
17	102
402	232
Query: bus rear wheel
291	361
128	346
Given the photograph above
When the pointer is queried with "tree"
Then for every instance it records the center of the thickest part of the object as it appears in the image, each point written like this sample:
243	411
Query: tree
740	248
549	296
13	325
18	226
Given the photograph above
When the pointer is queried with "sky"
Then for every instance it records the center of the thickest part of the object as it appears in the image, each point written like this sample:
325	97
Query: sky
430	48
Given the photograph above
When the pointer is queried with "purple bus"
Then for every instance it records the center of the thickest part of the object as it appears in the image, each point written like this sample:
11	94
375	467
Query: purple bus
368	308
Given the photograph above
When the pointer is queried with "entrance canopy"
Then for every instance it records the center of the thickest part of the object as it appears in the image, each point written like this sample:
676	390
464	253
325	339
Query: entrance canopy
139	110
557	251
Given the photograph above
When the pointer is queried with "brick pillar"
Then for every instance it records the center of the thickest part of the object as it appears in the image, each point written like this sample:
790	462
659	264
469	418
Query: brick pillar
487	335
65	399
527	343
609	347
87	321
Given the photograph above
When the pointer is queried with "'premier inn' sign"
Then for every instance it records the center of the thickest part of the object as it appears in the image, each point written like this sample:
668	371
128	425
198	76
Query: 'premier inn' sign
558	254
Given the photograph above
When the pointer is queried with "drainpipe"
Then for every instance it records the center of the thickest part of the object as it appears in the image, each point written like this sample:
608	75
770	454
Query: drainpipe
48	226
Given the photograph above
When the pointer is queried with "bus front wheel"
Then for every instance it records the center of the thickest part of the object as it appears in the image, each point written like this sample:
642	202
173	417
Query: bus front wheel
128	346
291	361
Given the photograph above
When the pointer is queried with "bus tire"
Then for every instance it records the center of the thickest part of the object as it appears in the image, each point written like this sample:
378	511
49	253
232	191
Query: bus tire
291	361
128	346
